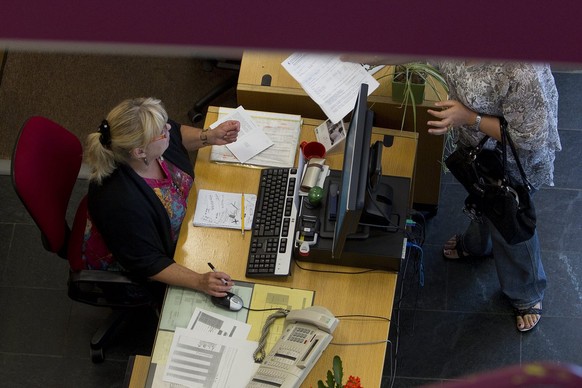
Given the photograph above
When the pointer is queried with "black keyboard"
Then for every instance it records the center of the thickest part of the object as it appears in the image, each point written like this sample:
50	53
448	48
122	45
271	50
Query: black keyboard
273	223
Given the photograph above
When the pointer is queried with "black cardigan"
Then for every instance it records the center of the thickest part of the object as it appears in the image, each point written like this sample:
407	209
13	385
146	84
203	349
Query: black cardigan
132	220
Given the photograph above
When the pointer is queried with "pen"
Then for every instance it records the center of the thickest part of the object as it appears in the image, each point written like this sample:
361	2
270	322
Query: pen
214	270
242	215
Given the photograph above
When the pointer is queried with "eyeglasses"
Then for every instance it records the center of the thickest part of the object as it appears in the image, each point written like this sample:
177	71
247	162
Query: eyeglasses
165	133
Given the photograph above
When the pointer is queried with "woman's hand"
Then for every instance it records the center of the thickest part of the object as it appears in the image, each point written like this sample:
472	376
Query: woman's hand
225	133
215	283
452	114
211	283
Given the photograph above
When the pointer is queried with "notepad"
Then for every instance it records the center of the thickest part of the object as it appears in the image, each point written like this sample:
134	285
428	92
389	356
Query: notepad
219	209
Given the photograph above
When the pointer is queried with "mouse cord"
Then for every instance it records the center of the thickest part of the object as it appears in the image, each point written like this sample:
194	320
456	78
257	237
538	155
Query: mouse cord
259	353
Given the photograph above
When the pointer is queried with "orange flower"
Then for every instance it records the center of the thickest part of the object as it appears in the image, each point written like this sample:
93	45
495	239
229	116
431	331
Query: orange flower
353	382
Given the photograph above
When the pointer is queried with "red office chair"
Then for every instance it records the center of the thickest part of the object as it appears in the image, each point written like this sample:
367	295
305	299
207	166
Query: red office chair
45	165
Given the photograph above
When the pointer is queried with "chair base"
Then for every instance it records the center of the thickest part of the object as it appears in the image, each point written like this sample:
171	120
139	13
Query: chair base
104	333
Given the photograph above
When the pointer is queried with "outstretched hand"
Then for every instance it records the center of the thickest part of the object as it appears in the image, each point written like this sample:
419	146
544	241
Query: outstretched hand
452	114
225	133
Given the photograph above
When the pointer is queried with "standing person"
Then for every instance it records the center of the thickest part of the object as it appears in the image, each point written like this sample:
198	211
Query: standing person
141	175
525	95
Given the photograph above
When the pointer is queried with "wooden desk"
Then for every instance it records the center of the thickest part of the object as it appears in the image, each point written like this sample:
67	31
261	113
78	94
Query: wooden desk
284	94
367	294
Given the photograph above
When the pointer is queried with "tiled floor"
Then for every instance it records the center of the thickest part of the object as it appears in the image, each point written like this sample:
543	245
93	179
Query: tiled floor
457	324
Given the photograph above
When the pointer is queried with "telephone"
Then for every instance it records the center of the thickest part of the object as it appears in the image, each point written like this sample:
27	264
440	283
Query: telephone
306	334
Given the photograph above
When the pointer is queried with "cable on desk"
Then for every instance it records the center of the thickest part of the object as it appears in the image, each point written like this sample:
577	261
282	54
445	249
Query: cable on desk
338	272
362	316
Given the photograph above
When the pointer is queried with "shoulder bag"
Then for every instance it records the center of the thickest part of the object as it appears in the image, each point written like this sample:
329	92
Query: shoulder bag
492	192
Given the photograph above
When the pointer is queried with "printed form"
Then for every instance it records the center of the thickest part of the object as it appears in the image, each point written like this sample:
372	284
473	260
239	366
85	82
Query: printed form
282	129
330	82
211	352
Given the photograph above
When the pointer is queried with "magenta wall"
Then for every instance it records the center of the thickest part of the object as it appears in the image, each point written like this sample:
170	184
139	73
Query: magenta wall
509	29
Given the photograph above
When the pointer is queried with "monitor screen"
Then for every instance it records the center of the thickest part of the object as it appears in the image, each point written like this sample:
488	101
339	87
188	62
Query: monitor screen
352	192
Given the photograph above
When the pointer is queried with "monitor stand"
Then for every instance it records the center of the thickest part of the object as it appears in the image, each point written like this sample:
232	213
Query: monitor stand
372	247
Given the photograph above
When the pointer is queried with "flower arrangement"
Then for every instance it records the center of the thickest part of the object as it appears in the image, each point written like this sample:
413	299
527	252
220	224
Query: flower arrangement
334	379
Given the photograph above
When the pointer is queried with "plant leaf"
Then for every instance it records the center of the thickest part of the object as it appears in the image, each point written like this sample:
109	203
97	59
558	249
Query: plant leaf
330	380
338	370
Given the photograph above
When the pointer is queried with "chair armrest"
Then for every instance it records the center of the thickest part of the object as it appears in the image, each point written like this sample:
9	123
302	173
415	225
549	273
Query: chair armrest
108	289
88	275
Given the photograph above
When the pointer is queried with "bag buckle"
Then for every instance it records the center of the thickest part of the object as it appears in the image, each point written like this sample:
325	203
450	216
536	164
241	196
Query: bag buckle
472	213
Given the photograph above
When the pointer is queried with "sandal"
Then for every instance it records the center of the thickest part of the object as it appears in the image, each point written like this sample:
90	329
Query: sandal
458	250
521	313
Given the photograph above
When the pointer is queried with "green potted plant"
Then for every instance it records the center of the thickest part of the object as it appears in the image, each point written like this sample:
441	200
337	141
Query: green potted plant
335	377
409	83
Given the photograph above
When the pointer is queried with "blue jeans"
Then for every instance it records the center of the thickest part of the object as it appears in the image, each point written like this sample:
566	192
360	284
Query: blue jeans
519	267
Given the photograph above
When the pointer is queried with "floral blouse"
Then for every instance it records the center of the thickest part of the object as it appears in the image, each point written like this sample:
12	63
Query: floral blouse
172	191
525	95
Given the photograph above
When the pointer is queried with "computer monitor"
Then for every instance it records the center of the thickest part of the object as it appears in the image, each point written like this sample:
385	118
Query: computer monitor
355	173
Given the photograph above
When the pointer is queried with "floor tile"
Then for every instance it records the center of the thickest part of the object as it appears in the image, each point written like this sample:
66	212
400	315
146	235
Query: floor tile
563	297
30	265
38	321
566	166
21	370
569	86
84	374
554	339
6	234
438	345
559	212
11	209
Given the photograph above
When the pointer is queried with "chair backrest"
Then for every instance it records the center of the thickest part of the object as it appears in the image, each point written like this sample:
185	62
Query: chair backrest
45	165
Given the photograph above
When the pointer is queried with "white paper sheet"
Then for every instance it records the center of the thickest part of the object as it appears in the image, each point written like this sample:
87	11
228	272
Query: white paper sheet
330	82
200	359
205	321
283	130
251	139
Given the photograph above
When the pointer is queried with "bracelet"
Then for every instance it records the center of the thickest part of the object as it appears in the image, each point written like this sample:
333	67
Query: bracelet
204	137
477	122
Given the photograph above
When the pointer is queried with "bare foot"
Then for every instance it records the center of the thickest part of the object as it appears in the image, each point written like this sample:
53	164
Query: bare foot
527	319
450	249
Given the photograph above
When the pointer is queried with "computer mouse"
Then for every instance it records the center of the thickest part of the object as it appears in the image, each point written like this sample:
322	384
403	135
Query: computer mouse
230	302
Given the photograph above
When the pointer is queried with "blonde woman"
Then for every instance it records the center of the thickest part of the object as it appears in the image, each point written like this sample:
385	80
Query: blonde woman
141	175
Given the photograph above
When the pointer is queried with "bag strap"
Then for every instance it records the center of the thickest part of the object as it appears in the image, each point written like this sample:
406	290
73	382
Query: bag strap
504	136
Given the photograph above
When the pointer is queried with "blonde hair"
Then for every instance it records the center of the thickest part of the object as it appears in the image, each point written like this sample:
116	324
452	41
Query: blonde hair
133	123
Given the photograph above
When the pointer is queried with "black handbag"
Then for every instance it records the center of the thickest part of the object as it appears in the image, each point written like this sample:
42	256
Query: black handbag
492	192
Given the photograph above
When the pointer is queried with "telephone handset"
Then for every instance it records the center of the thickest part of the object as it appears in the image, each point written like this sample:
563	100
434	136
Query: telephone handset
306	334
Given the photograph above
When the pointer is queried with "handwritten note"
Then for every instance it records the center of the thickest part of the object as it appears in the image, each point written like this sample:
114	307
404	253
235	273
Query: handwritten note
218	209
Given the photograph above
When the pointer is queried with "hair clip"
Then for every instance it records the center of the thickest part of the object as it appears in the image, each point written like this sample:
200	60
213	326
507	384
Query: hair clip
104	130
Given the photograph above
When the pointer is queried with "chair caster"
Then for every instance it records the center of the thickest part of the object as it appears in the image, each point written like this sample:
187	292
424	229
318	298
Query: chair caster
97	355
194	116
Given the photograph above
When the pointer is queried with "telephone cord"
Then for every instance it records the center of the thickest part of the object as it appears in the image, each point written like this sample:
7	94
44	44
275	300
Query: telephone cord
259	354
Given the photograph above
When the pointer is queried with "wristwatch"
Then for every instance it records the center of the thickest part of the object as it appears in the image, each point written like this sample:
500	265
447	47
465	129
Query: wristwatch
204	137
477	122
